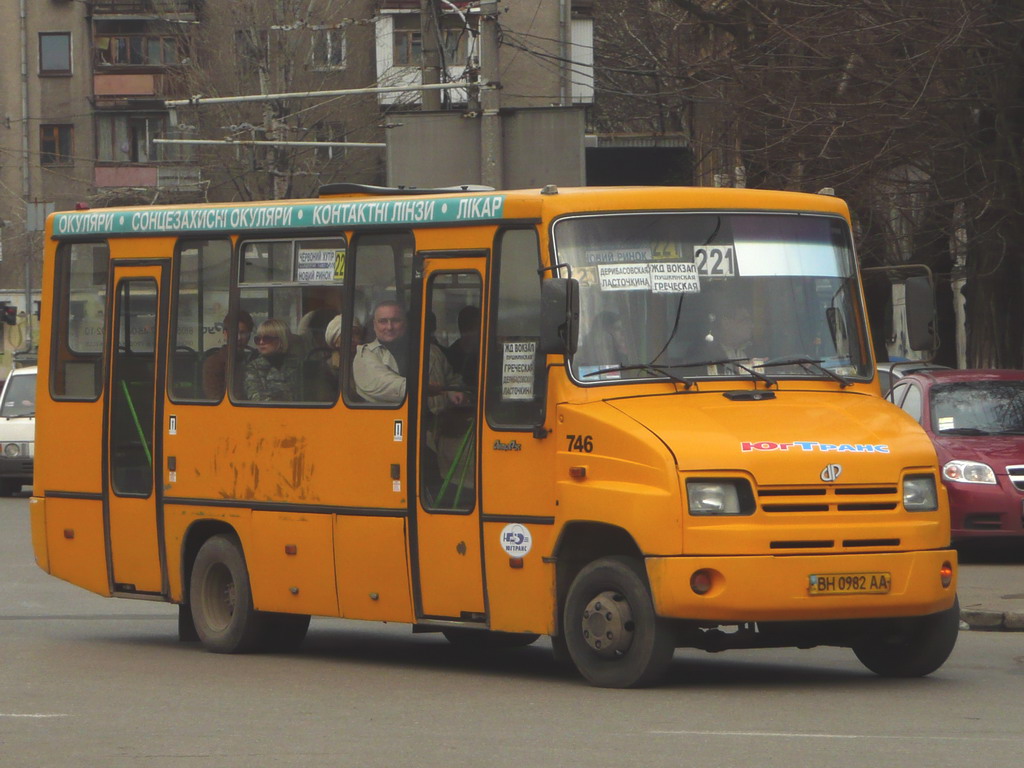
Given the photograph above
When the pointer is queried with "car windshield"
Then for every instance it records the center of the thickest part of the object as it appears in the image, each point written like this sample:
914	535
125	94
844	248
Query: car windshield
978	407
19	397
704	295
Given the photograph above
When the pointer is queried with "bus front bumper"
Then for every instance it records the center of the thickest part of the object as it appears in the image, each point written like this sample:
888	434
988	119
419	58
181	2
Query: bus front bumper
766	588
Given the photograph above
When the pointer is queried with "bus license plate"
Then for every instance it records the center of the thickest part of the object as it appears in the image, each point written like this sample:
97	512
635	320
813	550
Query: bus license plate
849	583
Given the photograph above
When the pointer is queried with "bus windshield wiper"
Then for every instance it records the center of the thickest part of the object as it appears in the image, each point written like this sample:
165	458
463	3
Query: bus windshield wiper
689	381
649	367
737	363
805	361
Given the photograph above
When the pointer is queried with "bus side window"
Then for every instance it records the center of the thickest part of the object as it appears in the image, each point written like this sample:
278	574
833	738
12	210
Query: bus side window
80	320
200	308
383	273
298	284
515	367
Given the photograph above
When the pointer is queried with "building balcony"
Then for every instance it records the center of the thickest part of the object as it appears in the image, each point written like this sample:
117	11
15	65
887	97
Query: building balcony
107	87
170	177
147	9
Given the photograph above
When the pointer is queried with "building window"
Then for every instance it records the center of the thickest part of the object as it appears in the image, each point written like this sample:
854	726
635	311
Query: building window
55	53
136	50
128	138
328	49
408	40
56	144
330	132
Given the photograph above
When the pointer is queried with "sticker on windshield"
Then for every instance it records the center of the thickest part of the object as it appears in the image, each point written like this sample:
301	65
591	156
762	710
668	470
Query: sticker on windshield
656	277
674	277
715	260
624	277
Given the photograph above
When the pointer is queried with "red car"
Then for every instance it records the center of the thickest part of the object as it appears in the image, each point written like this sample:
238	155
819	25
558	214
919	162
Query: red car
975	419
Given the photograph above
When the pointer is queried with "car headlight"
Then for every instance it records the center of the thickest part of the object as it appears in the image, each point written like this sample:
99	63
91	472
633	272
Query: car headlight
719	497
958	471
919	494
12	450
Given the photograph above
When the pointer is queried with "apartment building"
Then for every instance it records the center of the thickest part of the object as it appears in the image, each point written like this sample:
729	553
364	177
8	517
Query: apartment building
84	86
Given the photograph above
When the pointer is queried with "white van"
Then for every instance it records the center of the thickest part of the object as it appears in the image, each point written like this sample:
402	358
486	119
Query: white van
17	430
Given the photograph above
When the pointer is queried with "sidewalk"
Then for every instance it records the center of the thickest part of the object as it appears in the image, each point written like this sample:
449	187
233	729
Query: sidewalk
991	596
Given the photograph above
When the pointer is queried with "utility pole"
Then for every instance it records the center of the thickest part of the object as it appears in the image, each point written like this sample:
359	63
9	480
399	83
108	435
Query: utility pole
492	171
431	62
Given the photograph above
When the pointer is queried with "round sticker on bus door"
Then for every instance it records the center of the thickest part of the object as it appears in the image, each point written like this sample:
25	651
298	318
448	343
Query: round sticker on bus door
516	540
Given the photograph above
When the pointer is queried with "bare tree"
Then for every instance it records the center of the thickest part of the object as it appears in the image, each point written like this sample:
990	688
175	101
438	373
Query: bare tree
909	109
245	47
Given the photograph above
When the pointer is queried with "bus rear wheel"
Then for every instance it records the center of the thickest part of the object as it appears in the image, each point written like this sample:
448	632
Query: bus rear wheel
221	599
912	647
612	633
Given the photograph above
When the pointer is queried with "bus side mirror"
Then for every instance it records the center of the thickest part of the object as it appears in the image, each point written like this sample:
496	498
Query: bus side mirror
559	315
920	308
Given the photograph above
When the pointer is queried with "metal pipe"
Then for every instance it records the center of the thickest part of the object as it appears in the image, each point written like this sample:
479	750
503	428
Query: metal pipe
196	100
236	142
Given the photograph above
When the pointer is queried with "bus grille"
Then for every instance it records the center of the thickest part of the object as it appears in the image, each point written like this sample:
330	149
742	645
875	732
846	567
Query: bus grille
838	498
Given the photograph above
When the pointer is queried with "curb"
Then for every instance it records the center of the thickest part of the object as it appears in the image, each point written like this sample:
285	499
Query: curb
992	621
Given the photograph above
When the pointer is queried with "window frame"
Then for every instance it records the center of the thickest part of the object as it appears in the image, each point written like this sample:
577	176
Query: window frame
60	155
322	54
533	411
67	51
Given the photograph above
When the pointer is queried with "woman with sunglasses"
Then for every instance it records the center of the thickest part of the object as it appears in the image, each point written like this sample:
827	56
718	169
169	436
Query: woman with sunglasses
273	375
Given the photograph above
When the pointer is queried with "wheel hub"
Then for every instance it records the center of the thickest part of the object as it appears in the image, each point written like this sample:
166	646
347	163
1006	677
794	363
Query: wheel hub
608	624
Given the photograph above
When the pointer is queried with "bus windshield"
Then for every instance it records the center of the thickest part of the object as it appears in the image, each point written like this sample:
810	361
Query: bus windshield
707	295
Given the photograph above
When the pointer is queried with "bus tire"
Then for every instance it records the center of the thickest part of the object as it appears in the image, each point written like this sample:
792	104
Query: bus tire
487	640
912	647
221	599
613	635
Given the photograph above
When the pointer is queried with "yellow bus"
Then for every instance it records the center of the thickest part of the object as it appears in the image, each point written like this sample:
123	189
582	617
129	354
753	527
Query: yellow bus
632	420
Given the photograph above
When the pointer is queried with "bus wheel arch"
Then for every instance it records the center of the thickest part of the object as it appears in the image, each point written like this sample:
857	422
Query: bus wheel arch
220	596
612	633
579	544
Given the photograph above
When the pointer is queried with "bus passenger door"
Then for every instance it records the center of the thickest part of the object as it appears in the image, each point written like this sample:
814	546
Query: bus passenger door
447	556
132	436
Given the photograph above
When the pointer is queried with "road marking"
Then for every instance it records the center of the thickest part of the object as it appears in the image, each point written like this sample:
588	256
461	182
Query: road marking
794	735
29	714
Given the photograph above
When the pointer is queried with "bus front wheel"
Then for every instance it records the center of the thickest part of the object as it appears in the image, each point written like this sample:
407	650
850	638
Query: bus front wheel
221	599
612	633
912	647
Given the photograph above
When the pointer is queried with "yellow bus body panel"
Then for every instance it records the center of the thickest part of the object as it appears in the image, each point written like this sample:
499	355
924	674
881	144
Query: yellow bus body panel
766	588
372	568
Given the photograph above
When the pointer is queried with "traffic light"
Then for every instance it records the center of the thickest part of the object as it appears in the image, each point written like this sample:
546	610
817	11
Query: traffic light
8	313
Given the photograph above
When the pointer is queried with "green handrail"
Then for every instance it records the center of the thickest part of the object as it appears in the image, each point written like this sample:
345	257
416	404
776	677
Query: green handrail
135	419
455	463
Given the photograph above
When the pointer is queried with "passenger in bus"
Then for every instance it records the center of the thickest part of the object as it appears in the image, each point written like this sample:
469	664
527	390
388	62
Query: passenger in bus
273	375
216	364
380	367
464	353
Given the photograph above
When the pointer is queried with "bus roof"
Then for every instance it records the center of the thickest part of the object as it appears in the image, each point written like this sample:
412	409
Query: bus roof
350	211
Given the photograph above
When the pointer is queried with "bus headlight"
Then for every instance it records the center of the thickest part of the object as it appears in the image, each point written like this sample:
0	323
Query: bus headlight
919	494
12	450
719	497
958	471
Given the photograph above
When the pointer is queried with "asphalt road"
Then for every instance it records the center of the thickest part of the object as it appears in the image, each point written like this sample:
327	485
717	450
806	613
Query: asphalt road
87	681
